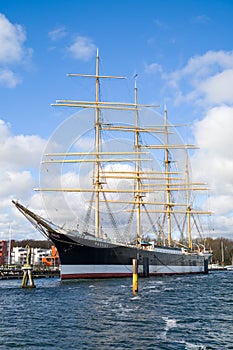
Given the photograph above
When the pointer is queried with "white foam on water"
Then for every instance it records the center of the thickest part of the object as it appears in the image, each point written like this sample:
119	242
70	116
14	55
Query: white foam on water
151	287
170	323
151	290
189	346
168	289
137	297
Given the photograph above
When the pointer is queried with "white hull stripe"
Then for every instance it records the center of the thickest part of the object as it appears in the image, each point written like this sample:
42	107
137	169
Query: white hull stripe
92	271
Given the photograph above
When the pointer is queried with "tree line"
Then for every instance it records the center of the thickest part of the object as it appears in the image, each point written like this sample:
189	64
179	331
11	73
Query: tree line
222	250
43	244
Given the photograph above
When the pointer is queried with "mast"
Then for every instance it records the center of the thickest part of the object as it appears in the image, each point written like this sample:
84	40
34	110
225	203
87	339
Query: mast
9	248
222	253
167	170
97	150
97	105
189	209
138	183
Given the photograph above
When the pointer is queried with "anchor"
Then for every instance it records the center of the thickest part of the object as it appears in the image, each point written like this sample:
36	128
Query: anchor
27	271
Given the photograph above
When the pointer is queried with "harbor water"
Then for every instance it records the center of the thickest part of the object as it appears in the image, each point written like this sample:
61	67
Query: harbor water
176	312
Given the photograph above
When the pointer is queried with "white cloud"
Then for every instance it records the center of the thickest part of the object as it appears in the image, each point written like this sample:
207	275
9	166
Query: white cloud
214	133
18	182
153	68
12	38
221	204
205	79
210	63
19	167
213	163
8	78
4	130
82	48
21	151
216	88
12	51
57	34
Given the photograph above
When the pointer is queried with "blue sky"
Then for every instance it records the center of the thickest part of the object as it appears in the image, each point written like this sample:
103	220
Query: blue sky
181	51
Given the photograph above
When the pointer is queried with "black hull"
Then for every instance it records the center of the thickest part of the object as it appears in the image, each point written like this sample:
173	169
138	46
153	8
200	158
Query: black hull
92	258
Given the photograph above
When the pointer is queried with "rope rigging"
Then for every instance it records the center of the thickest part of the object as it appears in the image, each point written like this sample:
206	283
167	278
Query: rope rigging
129	222
114	223
150	220
88	215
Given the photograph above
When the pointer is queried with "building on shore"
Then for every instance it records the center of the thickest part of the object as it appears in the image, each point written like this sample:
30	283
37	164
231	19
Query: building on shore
10	255
19	255
52	260
5	252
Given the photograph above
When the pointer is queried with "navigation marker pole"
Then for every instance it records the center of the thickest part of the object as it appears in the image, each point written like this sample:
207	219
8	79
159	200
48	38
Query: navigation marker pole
27	271
135	276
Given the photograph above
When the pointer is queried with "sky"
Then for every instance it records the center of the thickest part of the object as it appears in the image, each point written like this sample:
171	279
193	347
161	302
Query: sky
181	51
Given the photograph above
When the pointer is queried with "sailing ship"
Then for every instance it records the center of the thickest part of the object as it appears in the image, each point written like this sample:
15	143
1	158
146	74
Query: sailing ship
134	205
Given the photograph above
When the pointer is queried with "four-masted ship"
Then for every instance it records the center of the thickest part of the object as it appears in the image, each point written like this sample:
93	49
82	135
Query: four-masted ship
134	205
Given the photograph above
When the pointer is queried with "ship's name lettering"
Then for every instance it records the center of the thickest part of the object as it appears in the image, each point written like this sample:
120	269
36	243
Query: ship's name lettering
100	244
55	235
